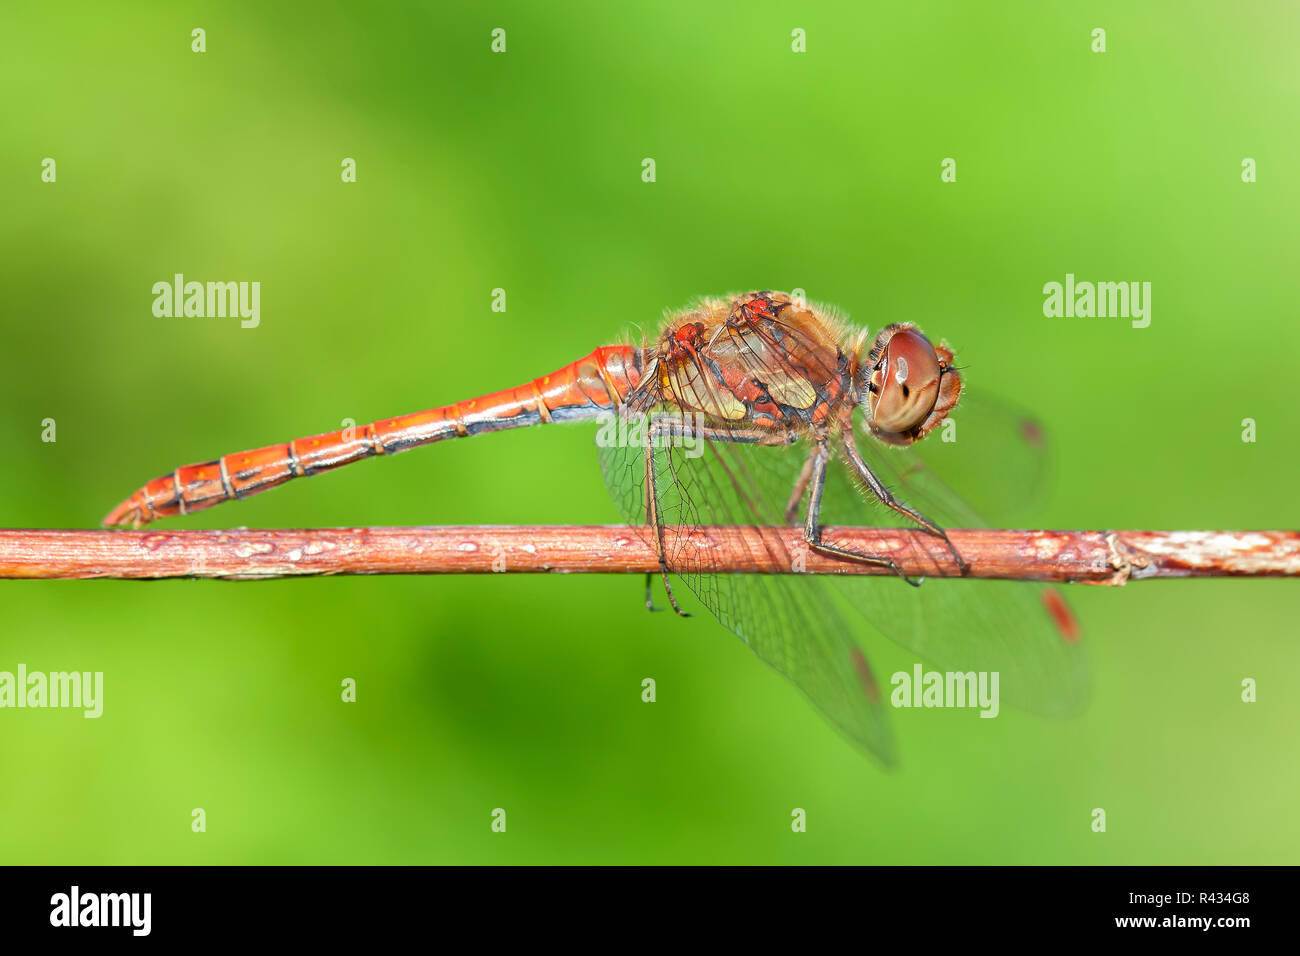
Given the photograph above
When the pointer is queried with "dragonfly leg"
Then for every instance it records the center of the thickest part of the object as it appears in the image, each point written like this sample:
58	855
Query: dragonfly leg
812	528
676	425
797	493
652	519
649	594
889	501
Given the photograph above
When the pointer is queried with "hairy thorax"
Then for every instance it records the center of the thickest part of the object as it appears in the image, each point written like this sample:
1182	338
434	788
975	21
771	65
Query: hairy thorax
756	360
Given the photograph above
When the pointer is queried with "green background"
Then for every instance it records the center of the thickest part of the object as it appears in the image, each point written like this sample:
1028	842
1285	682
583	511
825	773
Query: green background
523	171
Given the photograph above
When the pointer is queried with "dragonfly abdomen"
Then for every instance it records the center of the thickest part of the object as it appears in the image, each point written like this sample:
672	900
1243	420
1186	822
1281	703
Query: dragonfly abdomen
595	384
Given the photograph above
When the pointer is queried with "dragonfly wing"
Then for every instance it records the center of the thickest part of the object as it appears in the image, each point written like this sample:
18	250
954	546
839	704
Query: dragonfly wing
797	624
992	453
1022	630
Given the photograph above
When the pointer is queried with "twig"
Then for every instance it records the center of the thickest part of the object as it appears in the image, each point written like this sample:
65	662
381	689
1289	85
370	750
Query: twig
1095	557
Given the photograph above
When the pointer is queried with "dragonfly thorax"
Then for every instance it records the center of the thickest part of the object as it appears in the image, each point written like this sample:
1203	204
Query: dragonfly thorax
762	359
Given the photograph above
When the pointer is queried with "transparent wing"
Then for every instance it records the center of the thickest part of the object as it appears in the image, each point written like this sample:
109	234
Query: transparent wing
1024	631
800	624
797	624
992	453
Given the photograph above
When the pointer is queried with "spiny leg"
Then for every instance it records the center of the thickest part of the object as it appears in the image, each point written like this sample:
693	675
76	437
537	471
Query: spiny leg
649	520
649	593
796	494
812	528
889	501
652	519
675	425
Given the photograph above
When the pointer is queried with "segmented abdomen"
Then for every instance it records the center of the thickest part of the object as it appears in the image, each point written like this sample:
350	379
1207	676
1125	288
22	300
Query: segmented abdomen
599	382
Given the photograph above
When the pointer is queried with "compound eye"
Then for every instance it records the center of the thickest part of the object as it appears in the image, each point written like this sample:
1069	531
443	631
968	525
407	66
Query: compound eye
908	382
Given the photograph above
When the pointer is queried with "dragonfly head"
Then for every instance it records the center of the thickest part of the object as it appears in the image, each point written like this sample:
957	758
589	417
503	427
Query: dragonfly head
907	385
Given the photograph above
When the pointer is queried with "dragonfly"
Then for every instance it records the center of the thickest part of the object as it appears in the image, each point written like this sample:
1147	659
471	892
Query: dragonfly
747	411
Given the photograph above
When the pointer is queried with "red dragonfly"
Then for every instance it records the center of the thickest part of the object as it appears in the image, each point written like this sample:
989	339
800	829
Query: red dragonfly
742	413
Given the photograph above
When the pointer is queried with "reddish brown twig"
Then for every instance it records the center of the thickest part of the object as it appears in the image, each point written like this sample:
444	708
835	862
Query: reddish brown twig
1095	557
